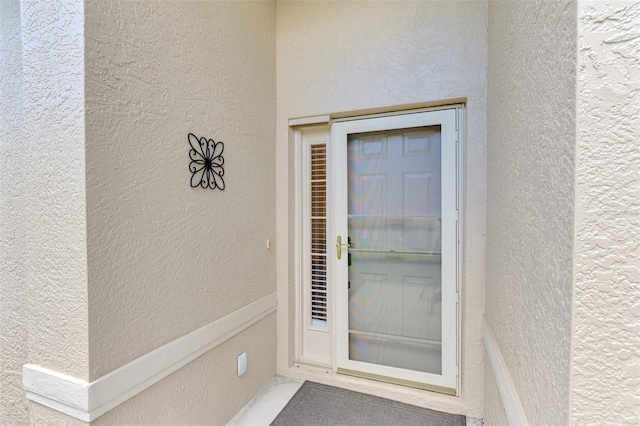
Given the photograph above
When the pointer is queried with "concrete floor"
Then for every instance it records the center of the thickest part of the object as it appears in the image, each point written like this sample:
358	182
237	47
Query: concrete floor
265	406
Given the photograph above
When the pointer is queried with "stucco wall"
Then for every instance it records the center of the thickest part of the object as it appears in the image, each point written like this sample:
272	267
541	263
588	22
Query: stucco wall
54	202
164	258
43	279
342	56
113	269
191	395
13	158
530	197
195	395
606	358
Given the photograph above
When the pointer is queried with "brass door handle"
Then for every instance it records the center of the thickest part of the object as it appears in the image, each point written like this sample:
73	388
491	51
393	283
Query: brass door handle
340	244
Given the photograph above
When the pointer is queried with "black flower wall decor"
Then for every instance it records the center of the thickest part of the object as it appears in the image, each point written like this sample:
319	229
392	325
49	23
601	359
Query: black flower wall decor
206	162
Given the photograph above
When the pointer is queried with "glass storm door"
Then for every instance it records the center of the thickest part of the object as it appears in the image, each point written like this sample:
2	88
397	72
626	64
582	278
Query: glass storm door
395	248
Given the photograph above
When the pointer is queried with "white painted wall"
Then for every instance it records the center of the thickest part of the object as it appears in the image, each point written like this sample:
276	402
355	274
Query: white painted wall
54	202
43	294
14	155
606	334
342	56
531	120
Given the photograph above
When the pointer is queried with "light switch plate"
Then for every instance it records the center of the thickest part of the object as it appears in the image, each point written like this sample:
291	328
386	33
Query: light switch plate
242	363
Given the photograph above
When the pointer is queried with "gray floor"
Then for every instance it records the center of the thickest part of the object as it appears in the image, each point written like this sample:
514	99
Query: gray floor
316	404
269	402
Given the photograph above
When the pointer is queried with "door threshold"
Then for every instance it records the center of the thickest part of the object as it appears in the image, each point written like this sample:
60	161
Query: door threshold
396	381
425	398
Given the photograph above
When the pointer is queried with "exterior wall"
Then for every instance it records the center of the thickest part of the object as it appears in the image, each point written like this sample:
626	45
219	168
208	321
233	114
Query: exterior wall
606	359
194	395
191	395
14	155
43	298
39	415
164	258
342	56
136	257
531	121
54	202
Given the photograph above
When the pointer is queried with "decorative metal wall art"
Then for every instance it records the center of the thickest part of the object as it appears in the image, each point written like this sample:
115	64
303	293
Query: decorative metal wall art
206	162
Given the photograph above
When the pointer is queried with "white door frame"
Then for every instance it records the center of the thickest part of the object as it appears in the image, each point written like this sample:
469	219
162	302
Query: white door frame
299	124
314	344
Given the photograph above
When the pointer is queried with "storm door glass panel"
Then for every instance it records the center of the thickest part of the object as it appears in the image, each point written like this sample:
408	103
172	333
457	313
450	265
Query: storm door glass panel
394	221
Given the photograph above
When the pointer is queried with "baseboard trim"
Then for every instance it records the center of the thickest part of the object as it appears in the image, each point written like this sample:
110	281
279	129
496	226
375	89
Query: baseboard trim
510	399
87	401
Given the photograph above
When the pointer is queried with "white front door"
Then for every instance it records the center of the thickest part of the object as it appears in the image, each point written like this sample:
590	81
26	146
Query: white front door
394	248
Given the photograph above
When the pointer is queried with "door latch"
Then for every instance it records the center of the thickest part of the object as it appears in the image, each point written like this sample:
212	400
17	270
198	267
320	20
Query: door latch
340	244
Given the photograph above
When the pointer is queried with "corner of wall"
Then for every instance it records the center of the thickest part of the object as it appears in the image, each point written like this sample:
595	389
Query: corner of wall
531	125
606	327
124	257
14	156
53	133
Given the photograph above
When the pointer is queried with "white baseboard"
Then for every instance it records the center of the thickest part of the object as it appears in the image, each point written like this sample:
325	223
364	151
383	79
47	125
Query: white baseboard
87	401
510	399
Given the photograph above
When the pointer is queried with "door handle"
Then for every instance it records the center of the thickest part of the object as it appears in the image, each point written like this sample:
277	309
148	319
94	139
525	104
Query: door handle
340	244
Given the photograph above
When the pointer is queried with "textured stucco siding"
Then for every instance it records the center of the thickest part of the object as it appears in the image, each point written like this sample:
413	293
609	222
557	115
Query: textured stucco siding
165	258
531	122
100	274
192	395
54	197
43	295
14	156
606	358
206	391
343	56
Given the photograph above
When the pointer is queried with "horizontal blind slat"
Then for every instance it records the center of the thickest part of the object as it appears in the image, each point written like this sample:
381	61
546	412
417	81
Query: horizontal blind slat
318	243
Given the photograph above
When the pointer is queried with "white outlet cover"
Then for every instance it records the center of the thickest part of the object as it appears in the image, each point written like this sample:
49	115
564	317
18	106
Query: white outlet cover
242	363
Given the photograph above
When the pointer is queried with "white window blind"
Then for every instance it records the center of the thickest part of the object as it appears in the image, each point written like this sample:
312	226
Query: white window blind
318	252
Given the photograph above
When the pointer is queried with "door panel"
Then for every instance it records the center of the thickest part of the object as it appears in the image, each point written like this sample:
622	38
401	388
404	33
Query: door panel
389	305
396	291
